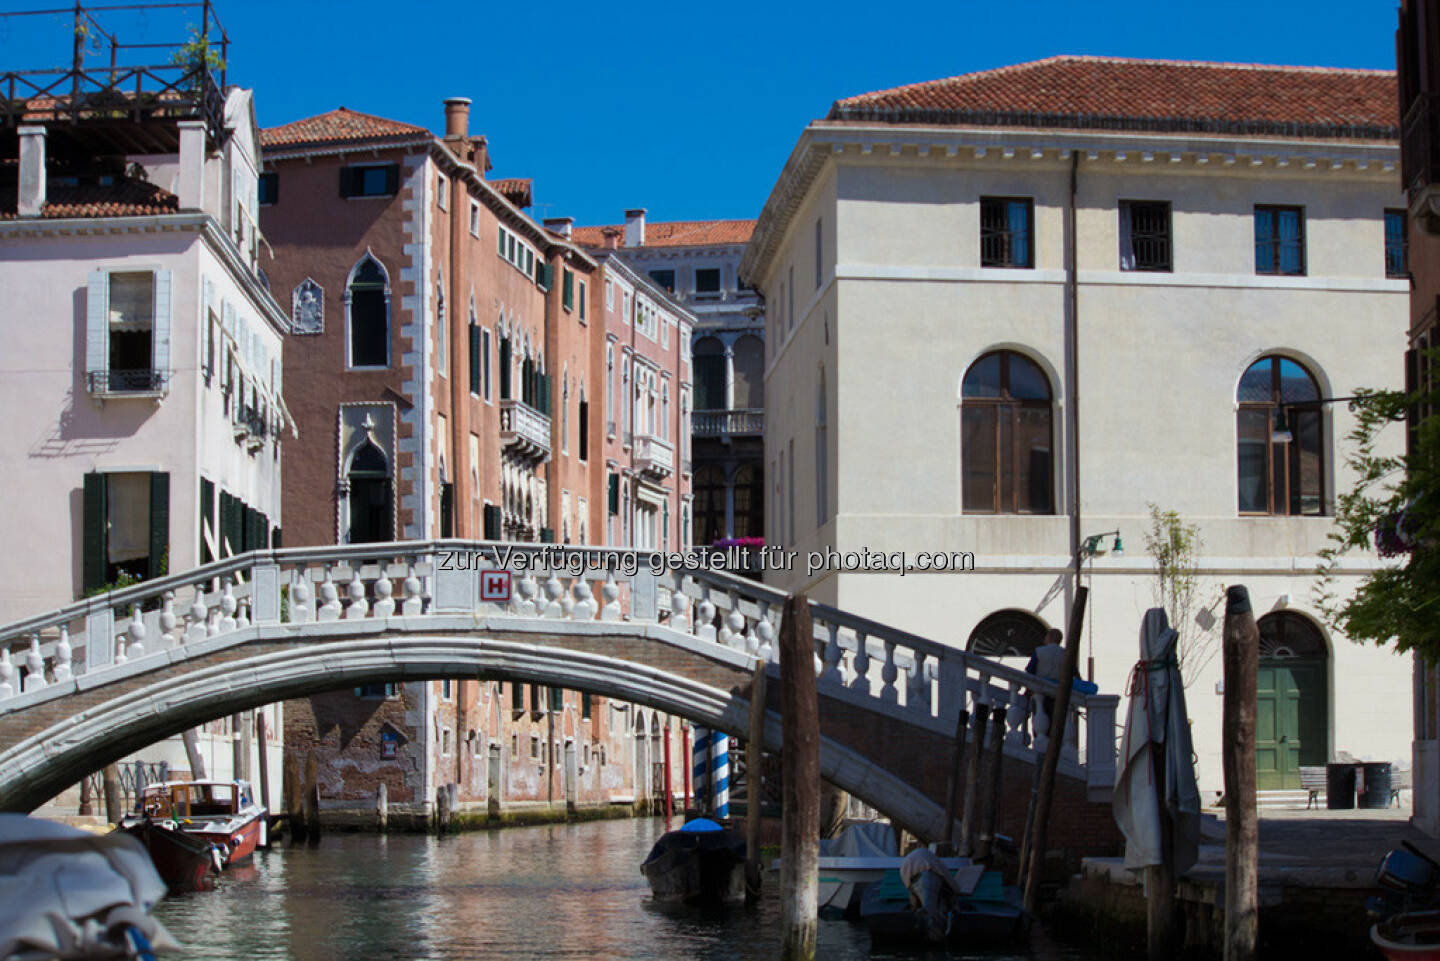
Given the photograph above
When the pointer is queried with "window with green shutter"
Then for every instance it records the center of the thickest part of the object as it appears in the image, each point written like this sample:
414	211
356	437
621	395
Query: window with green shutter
475	359
93	536
614	494
159	523
557	699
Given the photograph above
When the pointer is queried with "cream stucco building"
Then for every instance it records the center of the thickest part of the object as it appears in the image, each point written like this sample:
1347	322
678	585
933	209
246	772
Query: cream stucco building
1011	310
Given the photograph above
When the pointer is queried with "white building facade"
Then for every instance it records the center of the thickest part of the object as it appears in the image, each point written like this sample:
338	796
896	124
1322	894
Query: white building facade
1012	310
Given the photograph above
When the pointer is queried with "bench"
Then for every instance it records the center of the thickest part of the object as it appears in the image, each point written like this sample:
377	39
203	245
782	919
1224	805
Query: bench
1312	779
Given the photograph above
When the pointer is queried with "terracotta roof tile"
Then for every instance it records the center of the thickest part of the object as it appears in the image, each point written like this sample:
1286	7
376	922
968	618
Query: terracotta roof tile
341	125
514	189
1155	95
677	233
128	198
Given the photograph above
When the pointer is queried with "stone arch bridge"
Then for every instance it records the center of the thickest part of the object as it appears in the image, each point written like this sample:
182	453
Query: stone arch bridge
85	685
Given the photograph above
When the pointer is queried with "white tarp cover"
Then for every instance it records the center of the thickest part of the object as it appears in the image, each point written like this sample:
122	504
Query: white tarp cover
68	894
862	839
1156	720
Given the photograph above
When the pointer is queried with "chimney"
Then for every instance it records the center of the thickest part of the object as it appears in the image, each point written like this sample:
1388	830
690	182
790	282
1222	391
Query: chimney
190	183
31	201
611	237
635	227
564	226
457	118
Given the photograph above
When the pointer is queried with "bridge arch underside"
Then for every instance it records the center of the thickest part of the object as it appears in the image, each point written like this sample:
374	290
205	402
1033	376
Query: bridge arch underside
61	737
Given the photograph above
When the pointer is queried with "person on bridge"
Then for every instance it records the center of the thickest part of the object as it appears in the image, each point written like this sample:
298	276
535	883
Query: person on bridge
1045	663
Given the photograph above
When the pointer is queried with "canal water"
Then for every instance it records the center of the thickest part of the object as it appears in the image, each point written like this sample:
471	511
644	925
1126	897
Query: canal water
556	891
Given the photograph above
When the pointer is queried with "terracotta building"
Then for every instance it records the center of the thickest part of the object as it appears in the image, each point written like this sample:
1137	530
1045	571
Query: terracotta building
445	354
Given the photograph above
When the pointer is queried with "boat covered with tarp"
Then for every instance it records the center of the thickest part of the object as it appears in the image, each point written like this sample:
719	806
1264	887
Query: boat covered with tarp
701	863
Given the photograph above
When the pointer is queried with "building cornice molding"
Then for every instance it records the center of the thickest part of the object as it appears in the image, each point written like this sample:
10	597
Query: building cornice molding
372	148
824	142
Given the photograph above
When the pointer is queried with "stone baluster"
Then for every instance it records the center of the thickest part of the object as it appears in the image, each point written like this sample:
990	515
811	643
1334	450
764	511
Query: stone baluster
63	656
355	590
860	664
725	635
121	643
680	611
735	629
7	673
752	639
196	629
228	606
833	656
553	606
34	665
610	594
168	621
384	594
917	687
138	632
329	599
765	634
705	620
242	615
889	672
584	608
212	627
527	594
302	611
412	605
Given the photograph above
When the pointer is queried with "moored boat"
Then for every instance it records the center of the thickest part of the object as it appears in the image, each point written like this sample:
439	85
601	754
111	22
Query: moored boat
702	863
190	827
923	903
1414	936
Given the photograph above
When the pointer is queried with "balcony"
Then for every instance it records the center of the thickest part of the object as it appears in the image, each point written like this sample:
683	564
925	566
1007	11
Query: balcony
524	431
127	383
654	456
1420	157
742	422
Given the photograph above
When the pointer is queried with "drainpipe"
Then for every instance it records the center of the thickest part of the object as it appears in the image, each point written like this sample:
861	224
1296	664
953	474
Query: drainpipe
1072	365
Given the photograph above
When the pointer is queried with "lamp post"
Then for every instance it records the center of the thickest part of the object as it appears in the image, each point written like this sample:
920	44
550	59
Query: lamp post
1090	548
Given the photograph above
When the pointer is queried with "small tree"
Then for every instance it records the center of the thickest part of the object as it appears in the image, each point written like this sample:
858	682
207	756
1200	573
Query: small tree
198	57
1174	545
1394	509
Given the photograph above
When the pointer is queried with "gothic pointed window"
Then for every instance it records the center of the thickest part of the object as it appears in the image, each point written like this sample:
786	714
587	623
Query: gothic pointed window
367	302
1006	436
371	514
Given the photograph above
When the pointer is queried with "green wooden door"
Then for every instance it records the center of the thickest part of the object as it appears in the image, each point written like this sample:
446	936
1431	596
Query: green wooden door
1291	721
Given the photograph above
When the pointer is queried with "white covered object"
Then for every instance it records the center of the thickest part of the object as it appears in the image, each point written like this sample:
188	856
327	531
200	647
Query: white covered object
68	894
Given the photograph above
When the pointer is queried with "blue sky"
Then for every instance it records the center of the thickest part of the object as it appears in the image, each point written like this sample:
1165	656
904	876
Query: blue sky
688	109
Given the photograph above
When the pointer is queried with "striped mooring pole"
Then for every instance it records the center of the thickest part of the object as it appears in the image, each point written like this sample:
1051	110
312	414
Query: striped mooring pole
720	770
700	768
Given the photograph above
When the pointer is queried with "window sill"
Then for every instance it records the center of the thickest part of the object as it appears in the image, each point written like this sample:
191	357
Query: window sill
369	367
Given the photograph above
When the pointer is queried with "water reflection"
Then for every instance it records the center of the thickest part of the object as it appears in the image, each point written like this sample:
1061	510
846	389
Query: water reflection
559	891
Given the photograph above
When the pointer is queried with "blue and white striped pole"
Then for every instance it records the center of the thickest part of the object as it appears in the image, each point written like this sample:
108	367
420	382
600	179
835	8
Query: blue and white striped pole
700	768
721	769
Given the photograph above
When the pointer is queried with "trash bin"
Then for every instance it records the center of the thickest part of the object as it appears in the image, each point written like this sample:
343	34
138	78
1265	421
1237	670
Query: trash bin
1377	777
1340	785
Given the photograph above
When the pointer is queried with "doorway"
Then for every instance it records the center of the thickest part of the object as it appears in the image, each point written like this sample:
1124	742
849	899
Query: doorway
1292	700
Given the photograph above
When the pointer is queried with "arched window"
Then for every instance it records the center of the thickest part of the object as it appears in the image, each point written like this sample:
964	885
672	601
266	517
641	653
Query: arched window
370	512
1006	437
367	303
1279	439
709	375
709	506
749	363
748	495
1007	634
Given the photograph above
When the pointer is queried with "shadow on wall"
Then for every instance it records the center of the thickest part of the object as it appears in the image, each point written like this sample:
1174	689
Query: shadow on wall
82	428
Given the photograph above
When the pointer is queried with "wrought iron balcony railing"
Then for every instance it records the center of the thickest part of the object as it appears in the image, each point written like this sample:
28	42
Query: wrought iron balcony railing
116	382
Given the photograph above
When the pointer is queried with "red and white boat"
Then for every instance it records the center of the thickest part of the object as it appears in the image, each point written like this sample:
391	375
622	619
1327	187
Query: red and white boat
195	828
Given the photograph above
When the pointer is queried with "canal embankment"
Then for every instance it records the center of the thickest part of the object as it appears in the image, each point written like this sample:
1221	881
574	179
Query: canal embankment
1317	867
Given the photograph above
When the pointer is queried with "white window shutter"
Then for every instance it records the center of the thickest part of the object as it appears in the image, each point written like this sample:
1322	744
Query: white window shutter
97	326
162	325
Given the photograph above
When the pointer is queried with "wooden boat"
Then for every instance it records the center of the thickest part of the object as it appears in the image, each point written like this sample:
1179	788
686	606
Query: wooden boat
1414	936
192	827
702	863
853	860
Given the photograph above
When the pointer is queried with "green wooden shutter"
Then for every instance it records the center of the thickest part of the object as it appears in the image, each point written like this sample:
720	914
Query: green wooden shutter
474	359
275	538
207	519
567	290
93	536
492	522
504	368
159	523
547	535
347	181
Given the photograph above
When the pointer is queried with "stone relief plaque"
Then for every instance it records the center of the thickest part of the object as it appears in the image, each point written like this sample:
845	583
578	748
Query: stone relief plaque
307	308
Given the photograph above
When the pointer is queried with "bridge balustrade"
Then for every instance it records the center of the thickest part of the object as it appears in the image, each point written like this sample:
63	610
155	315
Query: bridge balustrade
857	660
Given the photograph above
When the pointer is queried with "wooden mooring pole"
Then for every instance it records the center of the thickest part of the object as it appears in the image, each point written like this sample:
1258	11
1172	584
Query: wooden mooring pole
992	792
970	819
1242	828
382	807
754	765
800	761
1035	848
191	738
262	737
110	784
952	784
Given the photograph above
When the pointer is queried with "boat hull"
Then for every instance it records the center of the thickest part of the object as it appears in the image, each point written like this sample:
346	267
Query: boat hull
1409	937
183	861
238	844
697	868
